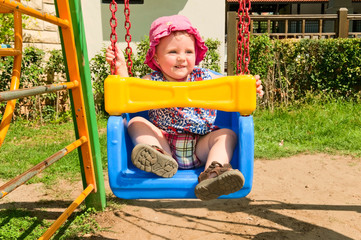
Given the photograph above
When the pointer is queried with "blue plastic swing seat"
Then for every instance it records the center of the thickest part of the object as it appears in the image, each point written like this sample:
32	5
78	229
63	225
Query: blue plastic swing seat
129	182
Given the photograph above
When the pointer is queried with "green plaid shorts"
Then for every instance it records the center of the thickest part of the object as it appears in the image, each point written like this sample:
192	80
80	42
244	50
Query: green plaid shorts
183	147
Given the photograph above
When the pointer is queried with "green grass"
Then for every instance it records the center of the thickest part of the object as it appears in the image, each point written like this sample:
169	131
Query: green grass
26	145
321	126
28	225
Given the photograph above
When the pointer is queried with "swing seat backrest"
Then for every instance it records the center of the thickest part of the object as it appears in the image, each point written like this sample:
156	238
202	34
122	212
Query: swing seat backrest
129	182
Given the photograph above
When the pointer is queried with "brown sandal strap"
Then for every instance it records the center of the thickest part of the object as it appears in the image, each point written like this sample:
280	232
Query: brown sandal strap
215	168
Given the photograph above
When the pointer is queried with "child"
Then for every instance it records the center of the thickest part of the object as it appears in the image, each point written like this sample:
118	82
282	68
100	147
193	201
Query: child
181	137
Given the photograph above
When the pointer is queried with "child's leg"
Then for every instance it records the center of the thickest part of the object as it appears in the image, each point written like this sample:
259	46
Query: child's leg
151	152
141	130
216	146
216	149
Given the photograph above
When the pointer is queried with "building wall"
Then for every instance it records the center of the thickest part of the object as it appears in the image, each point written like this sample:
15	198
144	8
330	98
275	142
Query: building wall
308	8
93	25
335	5
357	8
38	33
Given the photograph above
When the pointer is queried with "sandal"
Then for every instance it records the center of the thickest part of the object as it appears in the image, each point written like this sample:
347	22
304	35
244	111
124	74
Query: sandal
228	180
154	159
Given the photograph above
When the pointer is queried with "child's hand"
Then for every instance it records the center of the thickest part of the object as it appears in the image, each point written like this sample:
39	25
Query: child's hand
120	64
259	86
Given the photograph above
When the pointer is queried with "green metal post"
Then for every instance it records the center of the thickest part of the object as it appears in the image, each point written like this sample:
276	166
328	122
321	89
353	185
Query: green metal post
97	200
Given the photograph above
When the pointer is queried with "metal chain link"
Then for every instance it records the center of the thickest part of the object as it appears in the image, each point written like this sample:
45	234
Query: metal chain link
113	35
128	37
243	57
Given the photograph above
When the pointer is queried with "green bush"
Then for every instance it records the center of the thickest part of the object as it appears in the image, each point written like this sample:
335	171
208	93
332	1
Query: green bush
292	68
36	71
212	58
99	70
139	68
7	28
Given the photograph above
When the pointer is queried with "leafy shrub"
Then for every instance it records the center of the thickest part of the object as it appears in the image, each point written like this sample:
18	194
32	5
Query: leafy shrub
7	28
36	71
291	69
139	68
99	70
212	58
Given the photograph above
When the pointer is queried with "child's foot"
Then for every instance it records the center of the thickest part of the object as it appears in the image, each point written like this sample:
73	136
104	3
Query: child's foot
154	159
218	180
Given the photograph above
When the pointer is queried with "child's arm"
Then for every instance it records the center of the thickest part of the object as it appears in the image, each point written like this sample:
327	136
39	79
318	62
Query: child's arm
259	87
120	64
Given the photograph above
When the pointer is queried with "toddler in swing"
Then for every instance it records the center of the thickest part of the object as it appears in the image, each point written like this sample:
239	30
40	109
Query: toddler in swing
181	137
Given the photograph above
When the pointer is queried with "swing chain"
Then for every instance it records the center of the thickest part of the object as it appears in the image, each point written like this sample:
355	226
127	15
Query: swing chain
113	35
244	21
128	37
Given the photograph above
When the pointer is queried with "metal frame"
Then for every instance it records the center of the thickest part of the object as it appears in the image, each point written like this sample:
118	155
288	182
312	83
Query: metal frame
73	42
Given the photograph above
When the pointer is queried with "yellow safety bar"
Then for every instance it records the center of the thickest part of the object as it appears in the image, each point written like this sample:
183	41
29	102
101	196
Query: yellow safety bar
128	95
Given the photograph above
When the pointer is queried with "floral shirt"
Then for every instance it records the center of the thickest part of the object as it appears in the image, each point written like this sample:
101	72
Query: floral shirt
184	119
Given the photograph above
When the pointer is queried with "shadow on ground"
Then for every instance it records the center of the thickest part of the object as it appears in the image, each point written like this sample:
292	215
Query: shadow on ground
266	210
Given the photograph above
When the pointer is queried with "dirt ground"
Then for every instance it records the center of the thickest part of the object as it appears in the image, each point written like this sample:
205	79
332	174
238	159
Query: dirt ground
302	197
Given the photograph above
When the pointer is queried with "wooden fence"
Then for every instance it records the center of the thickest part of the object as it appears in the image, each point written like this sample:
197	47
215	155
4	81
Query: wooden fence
313	26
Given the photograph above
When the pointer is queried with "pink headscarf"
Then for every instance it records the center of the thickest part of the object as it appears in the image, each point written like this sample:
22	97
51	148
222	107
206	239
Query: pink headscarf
163	27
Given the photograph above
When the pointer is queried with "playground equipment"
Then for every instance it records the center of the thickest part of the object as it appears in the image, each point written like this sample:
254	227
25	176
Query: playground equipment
69	19
125	97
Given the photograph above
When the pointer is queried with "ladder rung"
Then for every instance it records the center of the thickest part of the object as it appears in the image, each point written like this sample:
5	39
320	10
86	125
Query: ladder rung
9	52
22	178
5	10
58	222
18	6
26	92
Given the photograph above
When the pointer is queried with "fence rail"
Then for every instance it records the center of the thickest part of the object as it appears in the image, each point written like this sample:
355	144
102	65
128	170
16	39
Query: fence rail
313	26
294	26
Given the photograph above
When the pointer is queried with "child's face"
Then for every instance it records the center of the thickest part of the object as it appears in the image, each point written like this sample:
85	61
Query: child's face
176	56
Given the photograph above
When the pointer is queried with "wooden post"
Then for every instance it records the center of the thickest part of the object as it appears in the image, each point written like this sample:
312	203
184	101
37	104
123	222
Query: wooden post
342	24
231	42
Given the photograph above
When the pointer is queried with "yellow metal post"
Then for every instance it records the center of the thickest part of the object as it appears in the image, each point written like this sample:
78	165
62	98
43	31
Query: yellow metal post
74	75
55	226
15	79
